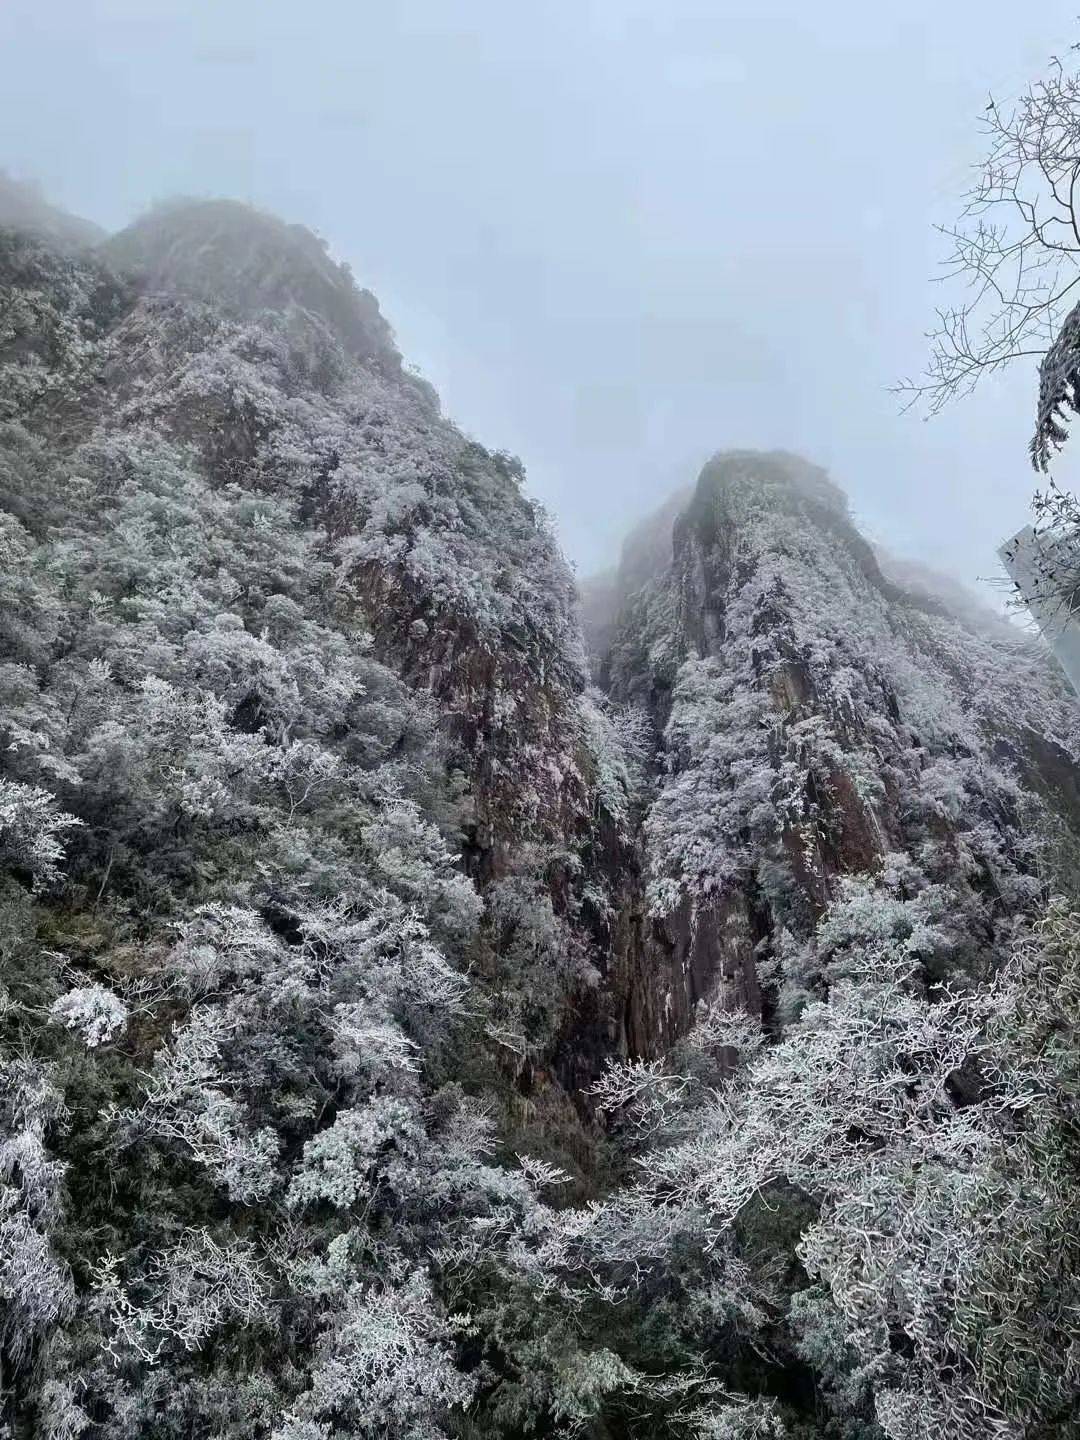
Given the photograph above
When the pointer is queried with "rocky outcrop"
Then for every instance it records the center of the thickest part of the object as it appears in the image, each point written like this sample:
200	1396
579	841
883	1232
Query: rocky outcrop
330	886
815	721
798	713
231	341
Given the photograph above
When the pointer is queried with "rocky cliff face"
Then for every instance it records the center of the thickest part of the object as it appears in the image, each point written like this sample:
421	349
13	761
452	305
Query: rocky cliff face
331	880
778	713
223	340
814	720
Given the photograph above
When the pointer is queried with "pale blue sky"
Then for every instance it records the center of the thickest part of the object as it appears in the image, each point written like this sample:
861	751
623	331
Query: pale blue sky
616	235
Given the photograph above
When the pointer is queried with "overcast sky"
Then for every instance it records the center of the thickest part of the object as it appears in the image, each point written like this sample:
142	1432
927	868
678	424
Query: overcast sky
616	235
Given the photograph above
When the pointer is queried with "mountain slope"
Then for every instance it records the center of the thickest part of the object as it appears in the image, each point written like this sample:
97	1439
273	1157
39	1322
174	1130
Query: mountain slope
401	1037
854	1161
814	720
292	697
24	207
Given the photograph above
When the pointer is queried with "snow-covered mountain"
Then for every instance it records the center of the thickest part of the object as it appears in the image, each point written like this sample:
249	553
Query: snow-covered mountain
411	1026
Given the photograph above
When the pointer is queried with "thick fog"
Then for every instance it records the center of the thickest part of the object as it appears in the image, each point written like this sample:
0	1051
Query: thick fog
616	235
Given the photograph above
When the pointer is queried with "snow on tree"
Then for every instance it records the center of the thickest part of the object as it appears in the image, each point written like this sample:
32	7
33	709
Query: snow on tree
331	1103
96	1013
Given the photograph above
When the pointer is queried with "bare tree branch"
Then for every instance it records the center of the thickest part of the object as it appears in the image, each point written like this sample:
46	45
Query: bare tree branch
1016	249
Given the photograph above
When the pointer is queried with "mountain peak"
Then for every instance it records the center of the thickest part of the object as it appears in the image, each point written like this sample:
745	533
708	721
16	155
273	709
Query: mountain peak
24	207
244	261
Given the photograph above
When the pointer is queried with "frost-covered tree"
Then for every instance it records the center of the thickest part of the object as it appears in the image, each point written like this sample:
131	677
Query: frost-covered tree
236	960
926	1132
398	1038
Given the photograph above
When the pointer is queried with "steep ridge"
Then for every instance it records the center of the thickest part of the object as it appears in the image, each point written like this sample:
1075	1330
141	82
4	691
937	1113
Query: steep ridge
235	339
299	805
852	1133
401	1036
814	720
24	207
246	265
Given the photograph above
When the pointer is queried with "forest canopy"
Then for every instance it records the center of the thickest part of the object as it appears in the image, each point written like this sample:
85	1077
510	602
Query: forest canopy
407	1031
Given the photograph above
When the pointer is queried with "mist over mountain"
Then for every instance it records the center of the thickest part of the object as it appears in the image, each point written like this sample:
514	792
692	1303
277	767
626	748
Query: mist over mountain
437	999
23	206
